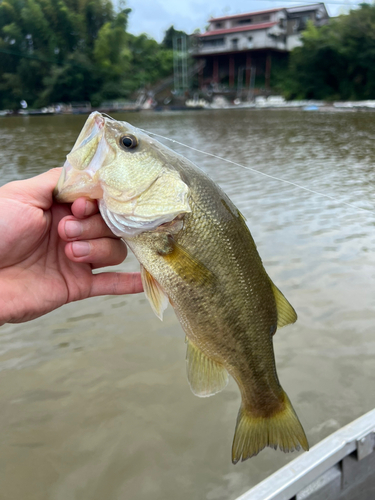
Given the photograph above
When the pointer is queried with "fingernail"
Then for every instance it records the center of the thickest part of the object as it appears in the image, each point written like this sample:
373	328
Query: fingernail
87	208
80	248
73	229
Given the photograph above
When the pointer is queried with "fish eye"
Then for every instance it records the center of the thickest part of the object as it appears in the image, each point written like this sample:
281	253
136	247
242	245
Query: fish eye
129	141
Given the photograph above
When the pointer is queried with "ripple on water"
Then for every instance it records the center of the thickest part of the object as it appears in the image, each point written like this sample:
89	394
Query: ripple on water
101	384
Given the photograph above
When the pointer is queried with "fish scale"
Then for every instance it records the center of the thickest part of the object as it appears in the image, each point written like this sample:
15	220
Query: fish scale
197	253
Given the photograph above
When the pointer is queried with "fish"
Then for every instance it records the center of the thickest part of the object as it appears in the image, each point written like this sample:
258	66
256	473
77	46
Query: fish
196	253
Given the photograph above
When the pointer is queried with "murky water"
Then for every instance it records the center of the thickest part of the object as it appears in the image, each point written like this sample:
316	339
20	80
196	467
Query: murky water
94	402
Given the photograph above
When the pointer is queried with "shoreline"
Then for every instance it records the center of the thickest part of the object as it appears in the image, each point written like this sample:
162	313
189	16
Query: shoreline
264	103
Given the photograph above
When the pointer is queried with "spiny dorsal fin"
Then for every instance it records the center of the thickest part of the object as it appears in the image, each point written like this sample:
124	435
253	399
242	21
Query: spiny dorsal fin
285	312
242	216
205	376
154	292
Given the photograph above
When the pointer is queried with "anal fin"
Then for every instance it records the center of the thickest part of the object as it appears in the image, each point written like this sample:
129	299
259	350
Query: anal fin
154	292
206	377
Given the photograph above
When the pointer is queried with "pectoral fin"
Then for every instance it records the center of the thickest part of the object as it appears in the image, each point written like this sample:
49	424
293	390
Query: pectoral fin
285	312
205	376
154	292
187	266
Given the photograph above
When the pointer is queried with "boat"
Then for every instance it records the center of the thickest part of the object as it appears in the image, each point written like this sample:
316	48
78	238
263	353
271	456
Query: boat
340	467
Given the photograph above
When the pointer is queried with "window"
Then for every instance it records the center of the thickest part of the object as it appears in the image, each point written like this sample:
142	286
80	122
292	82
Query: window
247	20
250	42
216	42
266	18
218	25
235	43
303	22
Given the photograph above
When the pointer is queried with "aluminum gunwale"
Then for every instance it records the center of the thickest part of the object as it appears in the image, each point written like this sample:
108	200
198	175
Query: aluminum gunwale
293	477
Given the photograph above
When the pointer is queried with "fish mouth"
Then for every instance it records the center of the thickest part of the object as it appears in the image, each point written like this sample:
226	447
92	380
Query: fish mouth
73	184
59	186
94	124
78	174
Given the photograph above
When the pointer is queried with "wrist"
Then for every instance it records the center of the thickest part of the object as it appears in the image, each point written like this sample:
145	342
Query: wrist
6	301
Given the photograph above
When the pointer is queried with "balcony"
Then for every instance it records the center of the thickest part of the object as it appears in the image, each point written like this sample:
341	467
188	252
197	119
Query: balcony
262	39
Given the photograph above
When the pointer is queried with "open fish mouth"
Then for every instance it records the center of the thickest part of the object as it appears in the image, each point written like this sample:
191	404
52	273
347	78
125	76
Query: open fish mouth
78	175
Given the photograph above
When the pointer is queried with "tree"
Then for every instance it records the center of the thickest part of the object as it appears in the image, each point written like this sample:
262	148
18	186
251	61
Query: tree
73	50
169	35
336	61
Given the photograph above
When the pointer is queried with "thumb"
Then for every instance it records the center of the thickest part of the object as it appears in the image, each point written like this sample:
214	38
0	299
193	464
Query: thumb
37	191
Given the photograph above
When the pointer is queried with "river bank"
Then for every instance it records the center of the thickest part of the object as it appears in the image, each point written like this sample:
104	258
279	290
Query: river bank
271	102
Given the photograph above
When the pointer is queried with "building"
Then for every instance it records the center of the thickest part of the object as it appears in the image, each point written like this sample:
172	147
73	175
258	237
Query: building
240	48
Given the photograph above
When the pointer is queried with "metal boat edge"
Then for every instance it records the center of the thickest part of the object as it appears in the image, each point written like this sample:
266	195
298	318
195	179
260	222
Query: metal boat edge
341	463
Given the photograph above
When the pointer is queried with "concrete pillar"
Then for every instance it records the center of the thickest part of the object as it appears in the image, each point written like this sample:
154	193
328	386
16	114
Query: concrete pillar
231	71
200	76
268	70
215	76
248	70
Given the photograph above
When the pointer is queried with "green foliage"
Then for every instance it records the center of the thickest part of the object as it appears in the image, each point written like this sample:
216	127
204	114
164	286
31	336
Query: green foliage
170	34
149	62
336	61
73	50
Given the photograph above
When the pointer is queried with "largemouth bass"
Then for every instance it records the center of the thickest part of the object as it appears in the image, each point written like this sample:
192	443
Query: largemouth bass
196	253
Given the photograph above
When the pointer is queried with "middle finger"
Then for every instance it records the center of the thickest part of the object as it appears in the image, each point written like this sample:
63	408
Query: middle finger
71	229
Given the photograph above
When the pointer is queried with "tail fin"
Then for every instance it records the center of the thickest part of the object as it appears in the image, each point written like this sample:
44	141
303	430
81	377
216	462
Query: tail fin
282	430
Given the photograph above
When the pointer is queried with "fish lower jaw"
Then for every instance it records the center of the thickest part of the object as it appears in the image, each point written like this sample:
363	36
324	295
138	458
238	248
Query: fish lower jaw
74	184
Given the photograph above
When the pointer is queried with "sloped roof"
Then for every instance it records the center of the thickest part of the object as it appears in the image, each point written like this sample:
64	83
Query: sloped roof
247	14
237	29
306	7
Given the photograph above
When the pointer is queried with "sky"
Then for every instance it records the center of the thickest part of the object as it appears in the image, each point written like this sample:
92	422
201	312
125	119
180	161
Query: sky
153	17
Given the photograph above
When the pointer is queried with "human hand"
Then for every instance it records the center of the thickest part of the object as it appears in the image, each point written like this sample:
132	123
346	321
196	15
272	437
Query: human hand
49	250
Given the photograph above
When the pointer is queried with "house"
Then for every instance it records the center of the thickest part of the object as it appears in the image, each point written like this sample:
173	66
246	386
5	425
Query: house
242	44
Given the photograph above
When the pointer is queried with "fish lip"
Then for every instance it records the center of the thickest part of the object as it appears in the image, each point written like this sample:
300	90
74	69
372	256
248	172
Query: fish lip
65	190
59	186
96	124
99	120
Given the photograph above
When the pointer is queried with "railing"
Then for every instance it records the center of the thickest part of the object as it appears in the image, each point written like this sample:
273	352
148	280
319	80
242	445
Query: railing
242	45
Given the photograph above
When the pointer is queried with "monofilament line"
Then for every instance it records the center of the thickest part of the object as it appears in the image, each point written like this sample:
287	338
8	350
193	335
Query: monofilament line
359	209
263	173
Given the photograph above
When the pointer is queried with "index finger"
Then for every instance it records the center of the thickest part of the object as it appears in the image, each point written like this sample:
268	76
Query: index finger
83	207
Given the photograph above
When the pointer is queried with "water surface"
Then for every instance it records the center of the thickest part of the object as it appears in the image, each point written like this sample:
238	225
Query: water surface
94	401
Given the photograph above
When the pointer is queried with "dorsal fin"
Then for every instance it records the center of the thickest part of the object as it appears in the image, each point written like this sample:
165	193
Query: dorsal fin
206	377
154	292
285	312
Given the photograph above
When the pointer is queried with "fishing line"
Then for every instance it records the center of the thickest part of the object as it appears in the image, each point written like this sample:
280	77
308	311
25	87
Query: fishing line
254	170
263	173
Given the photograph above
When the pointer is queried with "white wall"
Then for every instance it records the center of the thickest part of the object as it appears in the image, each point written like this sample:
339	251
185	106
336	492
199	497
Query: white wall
260	40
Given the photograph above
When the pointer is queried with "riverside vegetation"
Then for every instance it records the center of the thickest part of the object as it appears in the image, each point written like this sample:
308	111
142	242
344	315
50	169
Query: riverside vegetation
74	50
336	61
79	50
